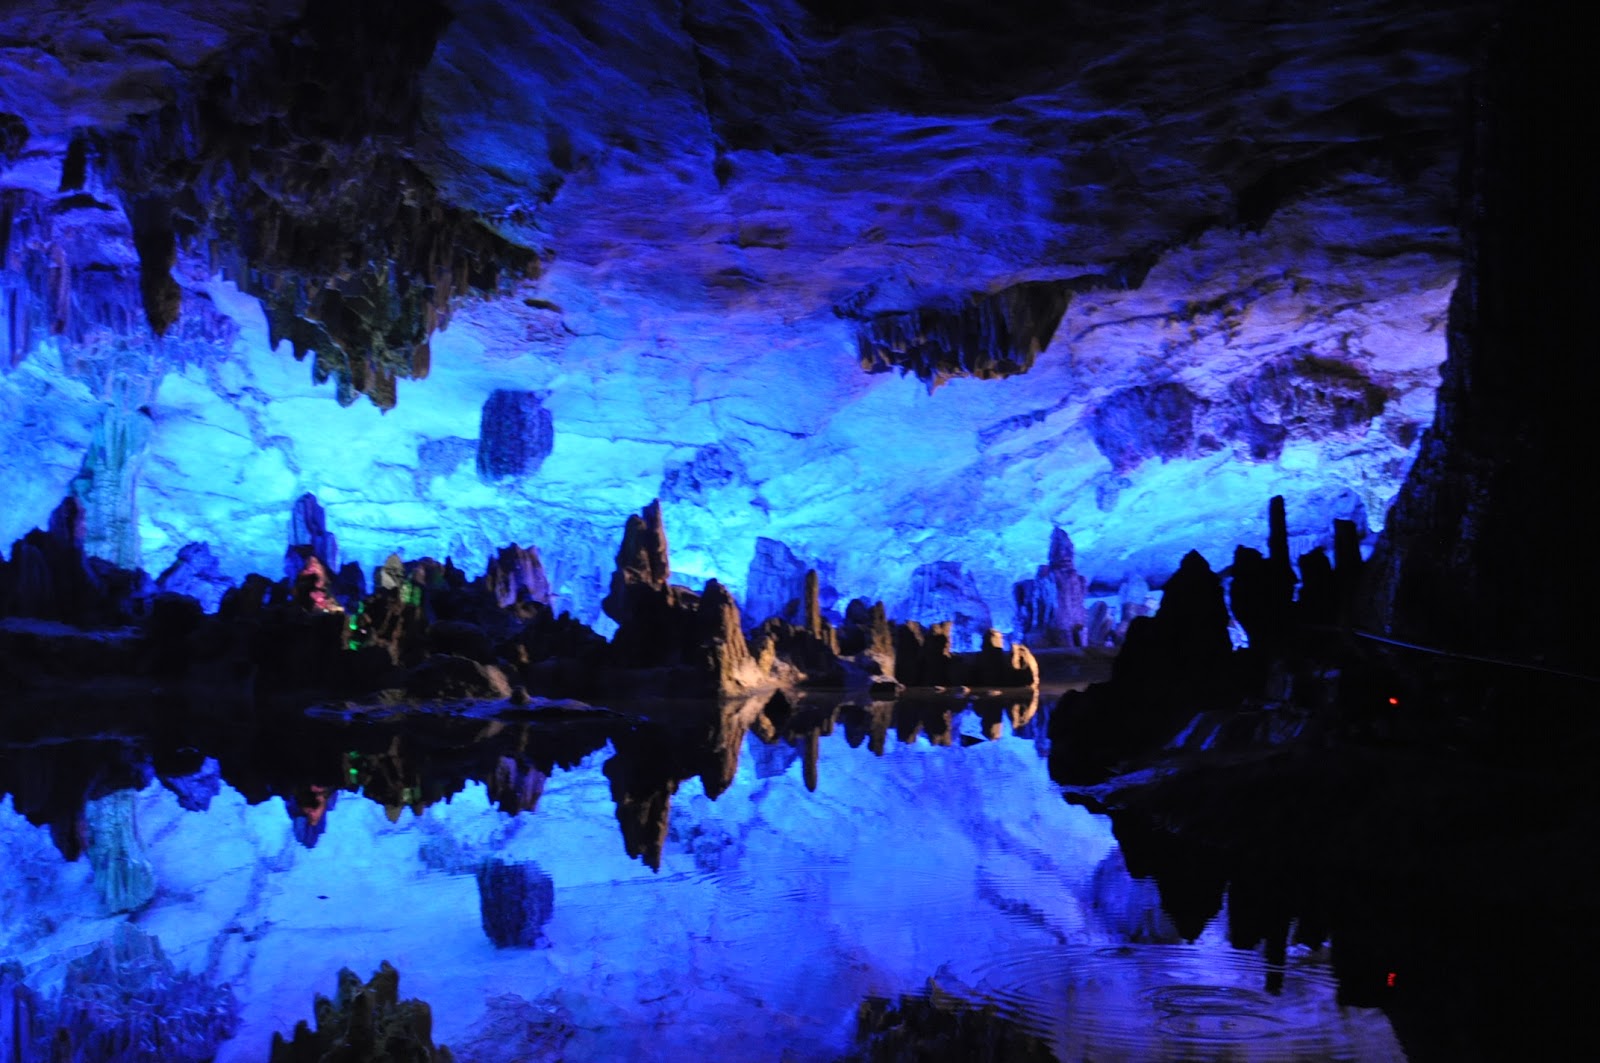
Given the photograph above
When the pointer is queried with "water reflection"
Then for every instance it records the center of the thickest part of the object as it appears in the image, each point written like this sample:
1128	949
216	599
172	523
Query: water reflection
836	879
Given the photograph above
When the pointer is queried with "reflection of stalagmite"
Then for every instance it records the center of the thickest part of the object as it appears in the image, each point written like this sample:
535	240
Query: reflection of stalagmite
123	874
643	792
515	786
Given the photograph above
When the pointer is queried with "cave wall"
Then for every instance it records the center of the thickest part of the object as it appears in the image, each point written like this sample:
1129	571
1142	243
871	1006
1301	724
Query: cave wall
1487	548
1244	218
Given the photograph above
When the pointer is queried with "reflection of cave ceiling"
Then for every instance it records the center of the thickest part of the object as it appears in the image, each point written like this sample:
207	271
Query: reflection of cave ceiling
891	282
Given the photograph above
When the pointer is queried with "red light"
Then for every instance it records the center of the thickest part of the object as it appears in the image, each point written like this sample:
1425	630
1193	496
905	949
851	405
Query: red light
1390	980
1394	701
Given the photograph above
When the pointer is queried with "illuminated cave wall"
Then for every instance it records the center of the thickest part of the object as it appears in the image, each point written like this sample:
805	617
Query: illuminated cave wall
1253	235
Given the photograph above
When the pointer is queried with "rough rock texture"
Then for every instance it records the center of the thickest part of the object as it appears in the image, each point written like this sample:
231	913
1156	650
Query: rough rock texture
516	901
516	574
197	573
1491	529
985	336
945	591
775	584
290	169
123	875
730	197
309	537
124	1000
364	1024
1050	609
514	436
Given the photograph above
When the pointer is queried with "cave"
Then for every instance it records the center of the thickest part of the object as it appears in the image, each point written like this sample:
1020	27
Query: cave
1050	533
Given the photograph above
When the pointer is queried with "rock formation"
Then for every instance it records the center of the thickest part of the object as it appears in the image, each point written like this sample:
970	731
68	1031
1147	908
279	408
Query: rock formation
123	875
1050	607
123	1000
516	901
1491	488
364	1023
516	574
945	591
515	435
987	336
775	582
1172	666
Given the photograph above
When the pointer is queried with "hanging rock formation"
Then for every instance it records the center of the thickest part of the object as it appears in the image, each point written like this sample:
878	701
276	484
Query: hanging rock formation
123	874
985	336
515	434
290	168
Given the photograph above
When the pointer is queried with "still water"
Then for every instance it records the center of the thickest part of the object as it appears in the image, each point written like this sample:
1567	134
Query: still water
920	886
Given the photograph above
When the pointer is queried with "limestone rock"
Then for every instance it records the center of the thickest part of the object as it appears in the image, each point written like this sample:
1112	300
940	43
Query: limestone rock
365	1023
517	574
515	435
123	875
1146	421
1050	608
309	537
775	582
126	1000
988	336
516	901
197	573
945	592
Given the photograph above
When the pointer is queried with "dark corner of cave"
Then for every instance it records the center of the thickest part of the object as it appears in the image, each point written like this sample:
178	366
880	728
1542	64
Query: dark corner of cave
751	529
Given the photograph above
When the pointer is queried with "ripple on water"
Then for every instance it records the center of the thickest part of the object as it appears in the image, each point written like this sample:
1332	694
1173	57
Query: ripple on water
1202	1001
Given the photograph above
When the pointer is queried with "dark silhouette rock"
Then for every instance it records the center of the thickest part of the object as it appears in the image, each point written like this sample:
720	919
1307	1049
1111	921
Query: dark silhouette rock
997	666
988	336
448	677
364	1023
515	901
1173	666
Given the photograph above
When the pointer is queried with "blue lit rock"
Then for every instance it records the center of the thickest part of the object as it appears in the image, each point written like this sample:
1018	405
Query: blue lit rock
123	874
196	572
516	900
727	198
515	435
944	591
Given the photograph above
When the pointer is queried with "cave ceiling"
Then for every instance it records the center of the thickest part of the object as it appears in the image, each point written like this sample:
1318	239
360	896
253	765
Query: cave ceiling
891	282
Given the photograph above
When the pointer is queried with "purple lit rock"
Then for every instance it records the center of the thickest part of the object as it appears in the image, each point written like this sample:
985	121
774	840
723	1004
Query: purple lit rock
516	574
